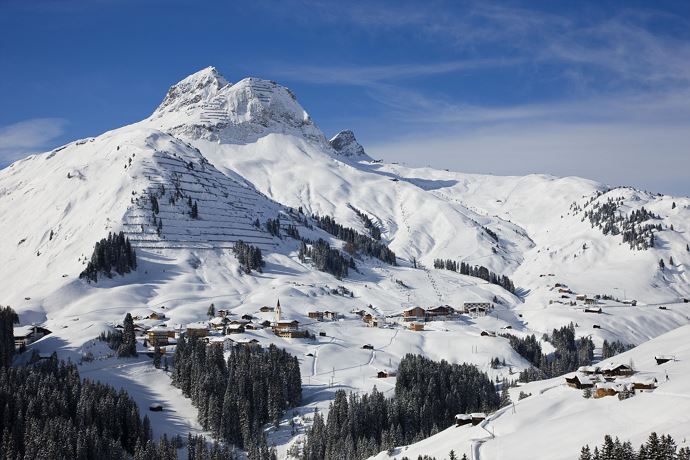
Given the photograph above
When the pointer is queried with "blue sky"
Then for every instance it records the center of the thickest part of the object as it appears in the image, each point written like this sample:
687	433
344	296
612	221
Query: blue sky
596	89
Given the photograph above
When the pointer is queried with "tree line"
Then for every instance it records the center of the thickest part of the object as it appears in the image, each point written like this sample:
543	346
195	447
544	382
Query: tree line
478	271
362	243
427	396
570	354
374	230
656	448
238	396
112	253
249	256
325	258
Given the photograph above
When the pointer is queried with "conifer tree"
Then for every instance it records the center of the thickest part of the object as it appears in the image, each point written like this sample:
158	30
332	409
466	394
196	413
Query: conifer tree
129	342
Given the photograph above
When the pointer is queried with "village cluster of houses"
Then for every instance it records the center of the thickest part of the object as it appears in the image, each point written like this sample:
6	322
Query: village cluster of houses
610	380
590	302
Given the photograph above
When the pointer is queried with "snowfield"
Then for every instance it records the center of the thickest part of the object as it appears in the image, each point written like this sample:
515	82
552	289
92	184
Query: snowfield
248	151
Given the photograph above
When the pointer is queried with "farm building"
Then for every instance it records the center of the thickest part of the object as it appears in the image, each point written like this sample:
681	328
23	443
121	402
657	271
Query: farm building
579	381
160	335
197	329
288	329
416	326
616	370
26	335
593	310
317	315
477	417
663	359
441	312
330	315
463	419
414	314
234	328
488	334
603	389
266	309
644	383
589	370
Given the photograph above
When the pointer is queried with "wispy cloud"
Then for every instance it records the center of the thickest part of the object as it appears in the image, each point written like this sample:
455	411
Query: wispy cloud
373	76
26	137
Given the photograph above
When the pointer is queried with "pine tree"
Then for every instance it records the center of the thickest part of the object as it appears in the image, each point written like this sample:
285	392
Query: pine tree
8	318
662	265
129	341
211	311
670	261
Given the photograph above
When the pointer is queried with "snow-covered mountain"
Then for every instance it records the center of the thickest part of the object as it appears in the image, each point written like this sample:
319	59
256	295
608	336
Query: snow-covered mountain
240	154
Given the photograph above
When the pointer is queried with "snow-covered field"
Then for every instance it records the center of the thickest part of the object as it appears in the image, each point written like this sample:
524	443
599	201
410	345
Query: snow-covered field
249	151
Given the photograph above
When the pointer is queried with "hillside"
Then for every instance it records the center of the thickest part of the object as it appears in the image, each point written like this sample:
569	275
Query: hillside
217	162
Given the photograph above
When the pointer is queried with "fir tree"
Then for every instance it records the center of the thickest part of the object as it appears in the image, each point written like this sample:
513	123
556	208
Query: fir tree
8	318
129	342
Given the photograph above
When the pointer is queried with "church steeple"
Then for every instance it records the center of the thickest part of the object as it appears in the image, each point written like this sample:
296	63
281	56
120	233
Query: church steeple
278	312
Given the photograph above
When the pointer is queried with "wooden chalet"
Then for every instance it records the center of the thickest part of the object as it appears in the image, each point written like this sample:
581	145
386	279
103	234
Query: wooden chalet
330	315
416	326
197	330
617	370
26	335
463	419
235	328
593	310
589	370
247	317
579	381
477	417
644	384
317	315
414	314
266	309
288	329
488	334
160	335
663	359
603	389
441	312
590	301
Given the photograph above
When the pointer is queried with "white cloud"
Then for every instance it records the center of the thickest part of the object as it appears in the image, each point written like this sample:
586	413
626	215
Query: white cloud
29	136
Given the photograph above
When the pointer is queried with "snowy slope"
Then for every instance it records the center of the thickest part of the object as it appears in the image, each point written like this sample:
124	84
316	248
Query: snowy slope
555	409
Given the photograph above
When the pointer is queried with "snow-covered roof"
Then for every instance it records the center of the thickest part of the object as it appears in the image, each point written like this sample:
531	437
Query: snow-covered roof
463	417
161	329
197	325
23	331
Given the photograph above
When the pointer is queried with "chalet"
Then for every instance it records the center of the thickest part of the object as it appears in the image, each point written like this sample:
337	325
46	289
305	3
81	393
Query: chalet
616	370
265	323
414	314
235	328
463	419
440	312
197	330
477	417
477	308
579	381
288	329
248	342
266	309
247	317
416	326
565	291
317	315
663	359
581	297
225	343
359	312
219	322
156	407
644	384
26	335
589	370
590	301
223	313
593	310
156	315
253	326
330	315
603	389
596	326
373	321
367	346
382	374
662	307
160	335
488	334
